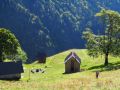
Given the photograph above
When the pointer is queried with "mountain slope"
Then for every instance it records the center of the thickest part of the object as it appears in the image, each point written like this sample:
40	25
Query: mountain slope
51	26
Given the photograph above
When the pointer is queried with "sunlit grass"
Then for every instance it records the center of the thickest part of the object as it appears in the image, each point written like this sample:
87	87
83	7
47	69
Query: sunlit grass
54	79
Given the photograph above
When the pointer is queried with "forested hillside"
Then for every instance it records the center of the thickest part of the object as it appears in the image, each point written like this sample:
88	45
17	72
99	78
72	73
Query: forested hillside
52	26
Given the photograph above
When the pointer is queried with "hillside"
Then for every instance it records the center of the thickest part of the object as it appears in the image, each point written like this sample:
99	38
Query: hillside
54	79
51	26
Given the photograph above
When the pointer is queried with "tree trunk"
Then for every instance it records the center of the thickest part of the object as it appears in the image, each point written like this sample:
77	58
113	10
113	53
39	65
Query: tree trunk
106	59
1	57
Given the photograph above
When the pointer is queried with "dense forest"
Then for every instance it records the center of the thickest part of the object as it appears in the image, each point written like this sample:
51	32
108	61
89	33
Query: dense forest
52	26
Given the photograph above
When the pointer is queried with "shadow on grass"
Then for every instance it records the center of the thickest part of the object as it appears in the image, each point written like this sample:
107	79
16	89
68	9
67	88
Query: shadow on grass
111	66
81	70
10	80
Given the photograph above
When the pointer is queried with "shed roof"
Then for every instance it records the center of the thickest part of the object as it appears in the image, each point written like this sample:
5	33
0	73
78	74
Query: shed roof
72	55
11	68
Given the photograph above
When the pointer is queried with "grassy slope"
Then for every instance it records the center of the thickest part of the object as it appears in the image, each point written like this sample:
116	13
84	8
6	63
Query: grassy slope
54	79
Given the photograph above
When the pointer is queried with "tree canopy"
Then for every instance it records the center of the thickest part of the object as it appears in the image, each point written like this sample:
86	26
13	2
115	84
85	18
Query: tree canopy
107	43
9	45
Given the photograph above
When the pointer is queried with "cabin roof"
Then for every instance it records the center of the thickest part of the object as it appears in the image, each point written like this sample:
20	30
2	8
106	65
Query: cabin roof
7	68
72	55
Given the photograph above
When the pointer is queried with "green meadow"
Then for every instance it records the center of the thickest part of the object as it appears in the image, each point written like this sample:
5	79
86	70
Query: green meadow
54	78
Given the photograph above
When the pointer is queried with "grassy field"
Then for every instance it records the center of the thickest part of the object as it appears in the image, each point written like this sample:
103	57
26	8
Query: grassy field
54	79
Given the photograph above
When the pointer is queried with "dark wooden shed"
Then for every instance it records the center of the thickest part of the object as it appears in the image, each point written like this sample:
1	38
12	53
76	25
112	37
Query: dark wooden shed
11	70
41	57
72	63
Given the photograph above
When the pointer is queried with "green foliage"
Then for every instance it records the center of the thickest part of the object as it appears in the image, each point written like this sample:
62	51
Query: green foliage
111	39
21	55
9	45
91	43
109	42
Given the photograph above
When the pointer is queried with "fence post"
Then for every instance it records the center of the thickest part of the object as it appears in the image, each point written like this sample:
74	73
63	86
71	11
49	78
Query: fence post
97	74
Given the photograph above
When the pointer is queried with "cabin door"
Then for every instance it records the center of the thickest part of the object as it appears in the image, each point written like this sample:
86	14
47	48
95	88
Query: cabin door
72	66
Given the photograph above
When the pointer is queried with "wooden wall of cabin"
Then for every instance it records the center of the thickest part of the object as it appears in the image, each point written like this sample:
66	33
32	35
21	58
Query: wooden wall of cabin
68	66
10	77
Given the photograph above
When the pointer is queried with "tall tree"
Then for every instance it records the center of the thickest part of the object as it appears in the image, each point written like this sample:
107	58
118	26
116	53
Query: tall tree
109	42
9	45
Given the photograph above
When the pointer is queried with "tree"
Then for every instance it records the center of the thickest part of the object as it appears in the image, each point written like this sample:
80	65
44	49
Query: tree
9	45
21	55
107	43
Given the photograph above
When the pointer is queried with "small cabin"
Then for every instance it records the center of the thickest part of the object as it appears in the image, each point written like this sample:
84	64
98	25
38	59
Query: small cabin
11	70
72	63
41	57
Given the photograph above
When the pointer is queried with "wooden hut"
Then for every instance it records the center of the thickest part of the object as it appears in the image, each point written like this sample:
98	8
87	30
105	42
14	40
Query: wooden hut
42	57
72	63
11	70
